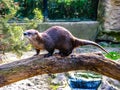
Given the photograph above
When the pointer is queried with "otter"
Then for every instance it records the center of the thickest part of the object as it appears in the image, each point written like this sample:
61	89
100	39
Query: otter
56	37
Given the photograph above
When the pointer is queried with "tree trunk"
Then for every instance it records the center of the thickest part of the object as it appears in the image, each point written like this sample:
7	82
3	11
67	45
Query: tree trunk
22	69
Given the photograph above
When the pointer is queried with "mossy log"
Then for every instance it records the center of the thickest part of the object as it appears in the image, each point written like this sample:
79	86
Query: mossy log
22	69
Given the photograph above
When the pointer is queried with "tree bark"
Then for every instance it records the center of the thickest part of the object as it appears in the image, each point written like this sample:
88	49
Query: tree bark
22	69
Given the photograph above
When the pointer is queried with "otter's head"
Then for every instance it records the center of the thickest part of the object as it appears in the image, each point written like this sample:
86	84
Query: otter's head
35	38
31	34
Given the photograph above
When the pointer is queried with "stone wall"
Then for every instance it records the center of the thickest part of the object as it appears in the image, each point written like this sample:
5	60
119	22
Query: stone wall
85	30
109	18
112	15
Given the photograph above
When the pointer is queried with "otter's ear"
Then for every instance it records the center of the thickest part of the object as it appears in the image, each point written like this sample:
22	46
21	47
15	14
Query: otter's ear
36	33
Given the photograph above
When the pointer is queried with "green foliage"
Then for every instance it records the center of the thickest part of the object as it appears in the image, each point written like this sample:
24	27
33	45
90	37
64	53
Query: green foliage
54	87
18	10
57	9
29	9
13	37
73	9
13	32
8	9
38	14
115	55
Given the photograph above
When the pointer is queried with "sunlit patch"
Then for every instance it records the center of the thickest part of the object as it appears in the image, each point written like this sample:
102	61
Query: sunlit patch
115	55
22	37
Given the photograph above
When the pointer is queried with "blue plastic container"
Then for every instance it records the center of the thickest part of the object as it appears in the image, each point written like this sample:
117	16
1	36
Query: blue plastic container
80	84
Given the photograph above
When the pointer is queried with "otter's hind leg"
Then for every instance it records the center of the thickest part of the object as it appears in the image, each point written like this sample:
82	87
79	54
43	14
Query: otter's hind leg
64	53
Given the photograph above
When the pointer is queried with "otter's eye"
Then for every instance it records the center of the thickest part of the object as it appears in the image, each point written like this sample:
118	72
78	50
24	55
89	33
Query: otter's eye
29	33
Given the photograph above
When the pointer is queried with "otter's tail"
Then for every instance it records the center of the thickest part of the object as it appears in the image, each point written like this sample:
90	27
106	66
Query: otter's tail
82	42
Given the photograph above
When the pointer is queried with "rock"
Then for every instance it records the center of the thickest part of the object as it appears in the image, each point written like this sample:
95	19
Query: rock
104	44
60	79
109	84
106	37
112	15
111	36
109	18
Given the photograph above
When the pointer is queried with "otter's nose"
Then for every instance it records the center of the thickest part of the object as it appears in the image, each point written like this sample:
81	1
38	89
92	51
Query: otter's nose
24	33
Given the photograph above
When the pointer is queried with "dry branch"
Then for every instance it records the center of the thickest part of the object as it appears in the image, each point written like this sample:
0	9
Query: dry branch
22	69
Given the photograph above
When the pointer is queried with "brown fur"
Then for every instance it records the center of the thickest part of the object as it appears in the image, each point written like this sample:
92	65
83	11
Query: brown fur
56	37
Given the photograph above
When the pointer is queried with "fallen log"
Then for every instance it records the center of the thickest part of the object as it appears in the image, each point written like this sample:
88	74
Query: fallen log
22	69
